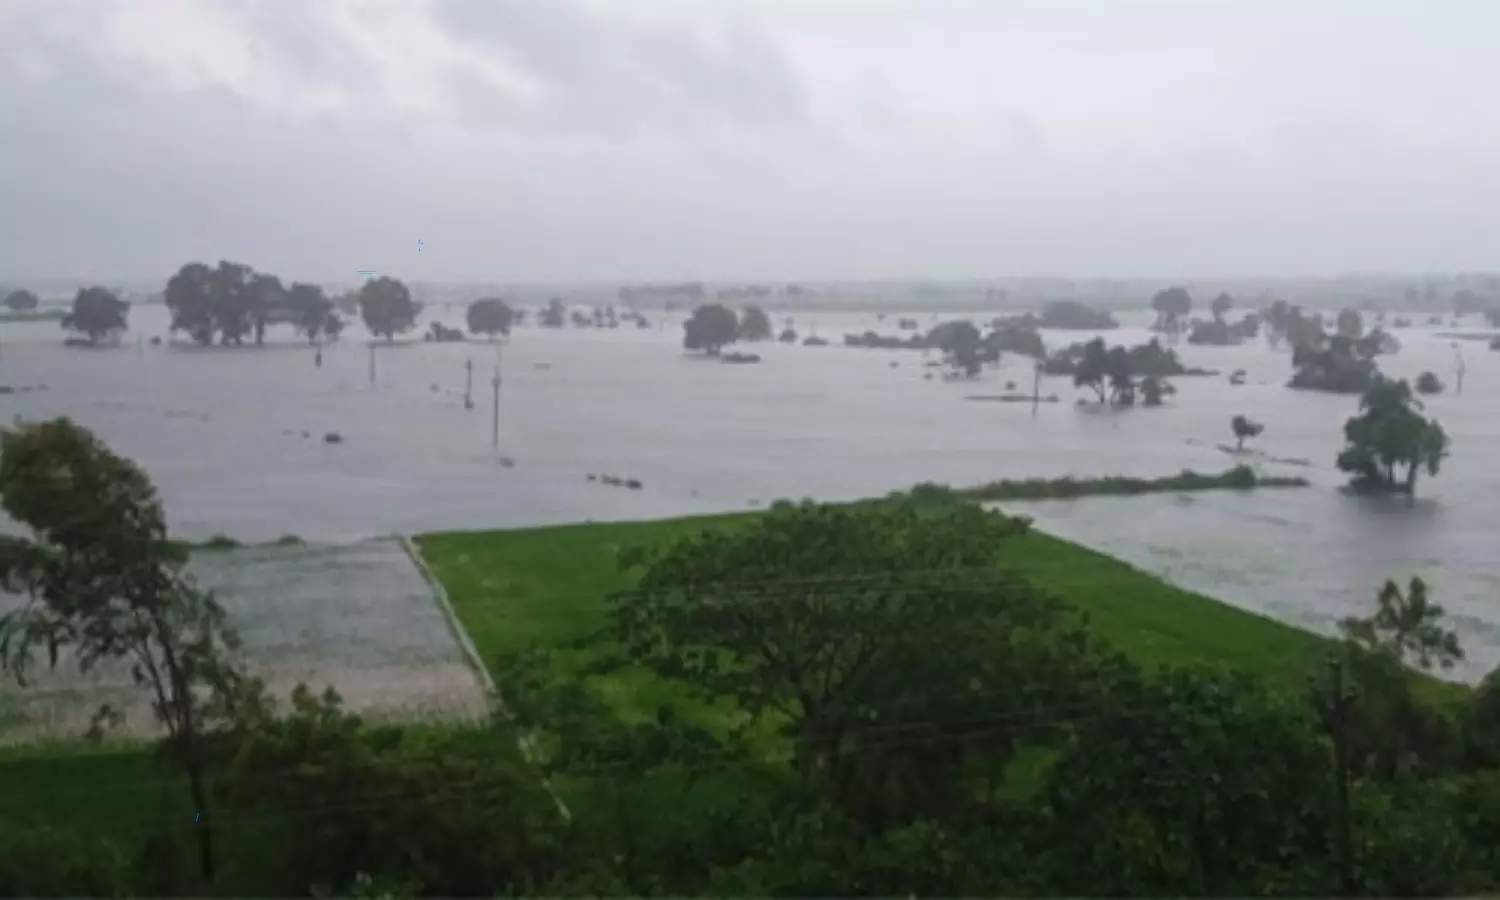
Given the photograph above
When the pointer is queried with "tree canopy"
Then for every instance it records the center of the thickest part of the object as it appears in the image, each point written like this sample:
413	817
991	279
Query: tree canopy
710	328
489	316
387	308
97	314
1390	434
1172	306
100	578
755	325
21	300
960	344
1244	428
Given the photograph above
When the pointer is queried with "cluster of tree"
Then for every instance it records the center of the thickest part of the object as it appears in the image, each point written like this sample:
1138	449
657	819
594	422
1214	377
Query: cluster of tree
1064	315
1338	365
1115	374
961	343
97	316
1389	442
233	302
883	681
21	300
1220	332
1148	359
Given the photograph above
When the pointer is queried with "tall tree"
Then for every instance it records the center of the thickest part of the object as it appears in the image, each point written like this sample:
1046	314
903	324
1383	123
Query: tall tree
1390	433
1172	306
555	314
267	301
709	328
311	312
387	307
102	580
827	619
234	302
190	298
1221	305
960	343
1350	324
489	316
97	314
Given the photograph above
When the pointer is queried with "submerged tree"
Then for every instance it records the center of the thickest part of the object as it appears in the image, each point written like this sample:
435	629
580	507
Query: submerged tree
1221	305
555	315
755	325
101	579
387	307
1172	306
1390	433
709	328
97	314
489	316
960	344
21	301
312	313
1244	428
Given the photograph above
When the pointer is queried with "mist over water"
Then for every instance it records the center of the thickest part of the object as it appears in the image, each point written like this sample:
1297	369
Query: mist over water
221	432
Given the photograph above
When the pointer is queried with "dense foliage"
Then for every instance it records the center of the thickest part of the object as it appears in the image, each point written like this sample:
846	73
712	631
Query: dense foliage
232	302
21	300
755	325
489	316
872	699
97	314
710	328
387	307
1389	442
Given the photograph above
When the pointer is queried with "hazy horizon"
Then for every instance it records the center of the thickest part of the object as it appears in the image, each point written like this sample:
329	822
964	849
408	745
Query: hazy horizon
586	141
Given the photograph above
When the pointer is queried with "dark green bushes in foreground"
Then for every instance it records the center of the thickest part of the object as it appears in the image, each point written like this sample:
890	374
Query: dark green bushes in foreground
1068	487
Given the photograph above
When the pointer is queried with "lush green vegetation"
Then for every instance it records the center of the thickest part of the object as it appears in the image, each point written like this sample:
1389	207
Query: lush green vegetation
905	696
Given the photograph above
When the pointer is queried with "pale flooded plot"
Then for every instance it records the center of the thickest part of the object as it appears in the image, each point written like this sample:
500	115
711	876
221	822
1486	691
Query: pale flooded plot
359	617
234	439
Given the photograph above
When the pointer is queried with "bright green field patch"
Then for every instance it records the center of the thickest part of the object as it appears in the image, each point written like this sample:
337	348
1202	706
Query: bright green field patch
549	587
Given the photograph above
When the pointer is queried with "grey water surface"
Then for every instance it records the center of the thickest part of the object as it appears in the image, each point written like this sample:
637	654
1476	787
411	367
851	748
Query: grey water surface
234	439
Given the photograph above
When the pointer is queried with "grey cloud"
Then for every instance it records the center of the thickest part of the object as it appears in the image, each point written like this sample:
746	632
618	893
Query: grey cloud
613	77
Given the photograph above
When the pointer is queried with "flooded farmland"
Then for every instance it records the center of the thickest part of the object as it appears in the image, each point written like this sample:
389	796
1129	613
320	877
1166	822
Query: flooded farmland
234	438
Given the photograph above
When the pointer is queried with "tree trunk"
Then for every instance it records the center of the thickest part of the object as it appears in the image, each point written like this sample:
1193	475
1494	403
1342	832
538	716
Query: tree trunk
1241	443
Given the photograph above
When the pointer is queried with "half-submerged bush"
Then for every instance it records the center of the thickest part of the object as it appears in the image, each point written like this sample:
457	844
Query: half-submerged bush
1066	487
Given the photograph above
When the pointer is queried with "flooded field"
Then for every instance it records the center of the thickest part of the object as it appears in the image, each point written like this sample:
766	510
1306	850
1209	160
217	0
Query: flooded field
359	617
234	439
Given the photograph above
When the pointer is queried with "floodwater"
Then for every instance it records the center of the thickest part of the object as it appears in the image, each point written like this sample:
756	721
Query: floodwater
234	440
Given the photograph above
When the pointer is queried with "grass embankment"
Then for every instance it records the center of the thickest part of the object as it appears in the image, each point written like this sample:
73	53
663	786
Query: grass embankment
1238	478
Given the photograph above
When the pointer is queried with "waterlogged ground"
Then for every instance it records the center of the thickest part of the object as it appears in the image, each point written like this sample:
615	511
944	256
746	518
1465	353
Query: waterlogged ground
359	617
234	439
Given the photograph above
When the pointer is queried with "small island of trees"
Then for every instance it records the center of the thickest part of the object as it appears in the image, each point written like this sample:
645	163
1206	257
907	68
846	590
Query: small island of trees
1389	442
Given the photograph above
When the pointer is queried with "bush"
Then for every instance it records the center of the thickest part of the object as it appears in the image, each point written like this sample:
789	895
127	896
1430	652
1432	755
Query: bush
39	861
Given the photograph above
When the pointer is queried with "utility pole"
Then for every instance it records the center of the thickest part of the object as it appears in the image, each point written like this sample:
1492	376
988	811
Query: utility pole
1036	387
469	383
1334	701
372	362
1459	352
495	412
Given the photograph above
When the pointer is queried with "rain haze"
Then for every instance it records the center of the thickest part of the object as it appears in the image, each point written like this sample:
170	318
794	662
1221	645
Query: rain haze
609	140
749	447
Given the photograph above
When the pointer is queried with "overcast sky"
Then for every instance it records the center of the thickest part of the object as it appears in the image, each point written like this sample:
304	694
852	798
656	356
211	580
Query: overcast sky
656	139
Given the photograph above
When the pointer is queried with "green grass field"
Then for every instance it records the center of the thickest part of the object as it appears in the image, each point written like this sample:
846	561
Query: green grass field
549	587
